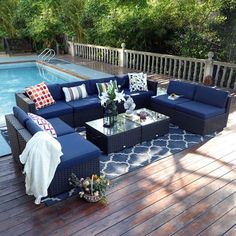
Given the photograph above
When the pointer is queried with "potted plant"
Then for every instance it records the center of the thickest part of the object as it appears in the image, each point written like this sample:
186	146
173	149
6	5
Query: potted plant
92	189
108	101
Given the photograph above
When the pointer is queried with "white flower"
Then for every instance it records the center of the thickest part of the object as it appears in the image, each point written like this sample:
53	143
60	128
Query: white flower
111	94
104	98
96	193
119	96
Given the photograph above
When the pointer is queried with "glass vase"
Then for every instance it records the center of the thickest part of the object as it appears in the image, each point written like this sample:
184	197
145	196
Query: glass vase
108	120
110	114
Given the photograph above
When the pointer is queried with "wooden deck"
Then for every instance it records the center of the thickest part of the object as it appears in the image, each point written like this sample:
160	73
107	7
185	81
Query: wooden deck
190	193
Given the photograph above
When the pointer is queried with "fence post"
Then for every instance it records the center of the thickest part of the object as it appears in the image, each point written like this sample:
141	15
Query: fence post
71	48
122	55
208	70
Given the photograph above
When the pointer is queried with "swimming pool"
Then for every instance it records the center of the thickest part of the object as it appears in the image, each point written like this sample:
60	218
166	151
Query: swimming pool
16	77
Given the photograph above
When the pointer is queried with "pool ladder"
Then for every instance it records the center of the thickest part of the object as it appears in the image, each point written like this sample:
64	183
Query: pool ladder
46	55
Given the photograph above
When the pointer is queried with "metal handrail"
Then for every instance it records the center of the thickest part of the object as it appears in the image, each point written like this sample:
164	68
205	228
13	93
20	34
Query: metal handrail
46	55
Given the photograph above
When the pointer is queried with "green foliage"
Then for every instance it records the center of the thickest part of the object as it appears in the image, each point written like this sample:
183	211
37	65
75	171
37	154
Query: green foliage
7	26
71	12
183	27
39	20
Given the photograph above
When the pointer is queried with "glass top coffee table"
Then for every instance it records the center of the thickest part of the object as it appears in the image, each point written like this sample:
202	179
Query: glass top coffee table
127	131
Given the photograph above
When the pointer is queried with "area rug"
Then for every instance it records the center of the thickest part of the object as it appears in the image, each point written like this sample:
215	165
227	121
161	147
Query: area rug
4	143
130	159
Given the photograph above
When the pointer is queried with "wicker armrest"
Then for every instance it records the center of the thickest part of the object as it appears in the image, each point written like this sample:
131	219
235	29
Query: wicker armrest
152	85
13	126
228	104
13	122
25	103
23	136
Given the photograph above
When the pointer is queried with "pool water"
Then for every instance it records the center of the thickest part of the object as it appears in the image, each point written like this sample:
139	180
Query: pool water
14	78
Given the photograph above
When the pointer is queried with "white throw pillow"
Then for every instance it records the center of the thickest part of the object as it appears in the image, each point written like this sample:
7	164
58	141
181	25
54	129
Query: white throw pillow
74	93
43	124
137	82
161	91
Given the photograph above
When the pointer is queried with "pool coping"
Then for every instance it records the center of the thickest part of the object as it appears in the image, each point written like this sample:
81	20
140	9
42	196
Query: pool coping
63	70
49	65
72	73
14	62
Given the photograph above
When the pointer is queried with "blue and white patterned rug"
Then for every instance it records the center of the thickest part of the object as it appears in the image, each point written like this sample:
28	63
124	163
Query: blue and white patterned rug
140	155
129	159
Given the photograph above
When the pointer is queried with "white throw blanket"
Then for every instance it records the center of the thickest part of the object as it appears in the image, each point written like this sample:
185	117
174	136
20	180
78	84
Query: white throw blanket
41	157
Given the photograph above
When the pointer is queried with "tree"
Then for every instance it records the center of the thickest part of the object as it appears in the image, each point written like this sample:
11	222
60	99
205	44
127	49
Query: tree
71	12
39	20
181	27
7	16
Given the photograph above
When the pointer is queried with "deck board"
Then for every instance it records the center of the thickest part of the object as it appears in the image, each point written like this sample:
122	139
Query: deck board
189	193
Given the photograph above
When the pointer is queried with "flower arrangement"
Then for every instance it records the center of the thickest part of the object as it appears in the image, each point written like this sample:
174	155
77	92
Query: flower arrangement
92	189
112	95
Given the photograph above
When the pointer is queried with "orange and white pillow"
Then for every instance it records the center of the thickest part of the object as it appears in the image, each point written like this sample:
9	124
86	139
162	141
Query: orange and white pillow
40	95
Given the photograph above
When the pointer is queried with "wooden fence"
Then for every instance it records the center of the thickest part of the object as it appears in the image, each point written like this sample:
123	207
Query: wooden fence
185	68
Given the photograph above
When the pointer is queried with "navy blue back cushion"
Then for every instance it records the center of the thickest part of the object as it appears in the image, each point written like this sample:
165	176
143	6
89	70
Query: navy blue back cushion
55	90
211	96
20	115
32	127
93	86
181	88
123	81
76	83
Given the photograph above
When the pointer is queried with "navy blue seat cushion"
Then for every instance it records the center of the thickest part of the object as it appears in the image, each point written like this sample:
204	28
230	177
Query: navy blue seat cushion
211	96
32	127
122	81
85	103
200	110
20	115
55	90
76	150
139	93
55	110
76	83
141	98
93	86
163	100
181	88
61	127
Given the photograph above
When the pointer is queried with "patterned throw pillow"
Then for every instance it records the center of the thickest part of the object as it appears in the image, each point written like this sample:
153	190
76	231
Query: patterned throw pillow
74	93
40	95
137	82
102	87
43	124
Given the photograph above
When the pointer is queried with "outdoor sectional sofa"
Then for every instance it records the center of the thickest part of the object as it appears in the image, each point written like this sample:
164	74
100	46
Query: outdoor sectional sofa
79	155
199	109
77	112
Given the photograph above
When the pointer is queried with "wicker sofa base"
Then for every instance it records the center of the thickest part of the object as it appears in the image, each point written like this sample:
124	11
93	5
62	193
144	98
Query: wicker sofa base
200	126
19	136
82	170
192	123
